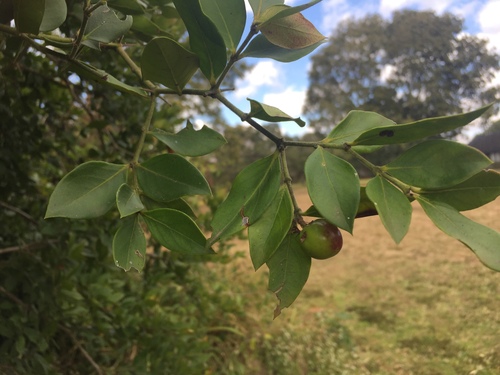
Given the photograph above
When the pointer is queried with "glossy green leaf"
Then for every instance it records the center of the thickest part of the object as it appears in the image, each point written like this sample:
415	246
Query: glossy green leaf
89	72
54	15
28	15
260	47
475	192
483	241
177	204
131	7
191	142
129	244
333	185
229	17
104	26
167	62
267	233
365	207
204	38
254	188
393	207
259	6
280	11
146	25
355	124
288	271
272	114
176	231
87	191
292	32
128	201
169	176
437	164
414	131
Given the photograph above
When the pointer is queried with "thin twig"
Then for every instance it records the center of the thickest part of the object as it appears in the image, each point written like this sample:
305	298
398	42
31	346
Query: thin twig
82	349
13	298
245	117
132	65
19	212
288	182
236	56
31	246
145	129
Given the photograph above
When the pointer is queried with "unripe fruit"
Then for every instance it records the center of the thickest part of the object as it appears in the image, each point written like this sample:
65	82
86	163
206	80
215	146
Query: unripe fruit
321	239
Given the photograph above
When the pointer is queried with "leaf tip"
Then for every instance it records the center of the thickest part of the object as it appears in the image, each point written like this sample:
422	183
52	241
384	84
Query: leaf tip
277	311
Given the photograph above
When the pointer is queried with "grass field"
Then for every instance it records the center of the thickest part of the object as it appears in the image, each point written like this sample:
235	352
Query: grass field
425	306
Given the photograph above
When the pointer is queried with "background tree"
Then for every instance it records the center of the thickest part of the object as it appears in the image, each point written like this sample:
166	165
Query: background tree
415	65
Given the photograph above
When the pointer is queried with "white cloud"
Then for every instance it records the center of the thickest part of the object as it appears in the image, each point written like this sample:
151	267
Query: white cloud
488	21
488	17
465	10
289	101
264	73
334	11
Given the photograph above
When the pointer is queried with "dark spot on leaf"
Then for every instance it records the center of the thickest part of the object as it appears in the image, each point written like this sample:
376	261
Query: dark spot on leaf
386	133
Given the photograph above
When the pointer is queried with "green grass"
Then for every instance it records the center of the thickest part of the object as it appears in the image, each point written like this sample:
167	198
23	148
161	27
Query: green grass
426	306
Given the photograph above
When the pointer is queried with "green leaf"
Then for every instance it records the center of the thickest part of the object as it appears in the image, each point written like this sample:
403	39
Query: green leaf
260	47
167	62
54	15
170	176
87	191
191	142
129	244
483	241
104	26
292	32
392	206
254	188
333	185
475	192
128	201
229	17
365	207
259	6
414	131
272	114
437	164
148	26
355	124
267	233
288	271
176	231
204	38
126	6
280	11
87	71
28	15
177	204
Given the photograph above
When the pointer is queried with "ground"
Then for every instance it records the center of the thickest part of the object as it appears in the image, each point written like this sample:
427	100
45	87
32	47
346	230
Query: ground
425	306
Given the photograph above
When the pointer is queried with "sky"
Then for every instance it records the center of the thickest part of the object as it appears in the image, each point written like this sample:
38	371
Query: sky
284	85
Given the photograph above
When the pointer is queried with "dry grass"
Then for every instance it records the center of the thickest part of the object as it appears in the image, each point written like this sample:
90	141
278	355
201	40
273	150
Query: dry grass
426	306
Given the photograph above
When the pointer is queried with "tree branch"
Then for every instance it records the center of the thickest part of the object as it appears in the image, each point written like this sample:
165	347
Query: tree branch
31	246
245	117
13	298
19	212
82	349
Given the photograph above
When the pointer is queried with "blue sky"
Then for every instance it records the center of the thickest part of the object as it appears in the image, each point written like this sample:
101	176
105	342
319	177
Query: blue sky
284	85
